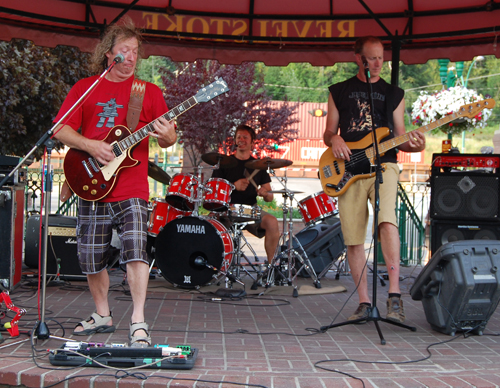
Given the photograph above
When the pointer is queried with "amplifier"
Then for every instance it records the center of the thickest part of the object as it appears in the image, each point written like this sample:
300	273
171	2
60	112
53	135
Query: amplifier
7	164
466	161
62	245
11	235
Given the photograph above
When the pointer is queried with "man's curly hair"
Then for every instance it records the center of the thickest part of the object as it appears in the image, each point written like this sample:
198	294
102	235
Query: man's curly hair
113	34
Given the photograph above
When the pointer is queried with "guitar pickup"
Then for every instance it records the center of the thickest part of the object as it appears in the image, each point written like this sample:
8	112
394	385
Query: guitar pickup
86	167
337	169
327	172
93	162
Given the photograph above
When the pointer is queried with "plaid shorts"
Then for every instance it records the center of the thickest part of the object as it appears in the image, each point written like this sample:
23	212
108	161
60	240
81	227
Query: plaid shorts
96	221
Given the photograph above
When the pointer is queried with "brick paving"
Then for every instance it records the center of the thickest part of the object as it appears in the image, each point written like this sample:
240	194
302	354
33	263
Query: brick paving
272	340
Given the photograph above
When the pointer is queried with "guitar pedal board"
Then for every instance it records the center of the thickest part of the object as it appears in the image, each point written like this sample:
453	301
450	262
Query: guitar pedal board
121	356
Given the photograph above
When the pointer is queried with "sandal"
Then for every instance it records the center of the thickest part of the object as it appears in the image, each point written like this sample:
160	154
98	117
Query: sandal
136	341
95	324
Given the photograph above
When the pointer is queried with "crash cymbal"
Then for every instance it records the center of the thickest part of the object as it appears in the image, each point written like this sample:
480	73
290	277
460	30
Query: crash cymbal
263	164
213	158
285	191
158	174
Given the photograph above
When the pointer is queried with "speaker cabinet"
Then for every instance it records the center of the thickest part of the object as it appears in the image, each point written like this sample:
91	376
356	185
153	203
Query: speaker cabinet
465	196
443	232
11	235
323	243
459	287
62	245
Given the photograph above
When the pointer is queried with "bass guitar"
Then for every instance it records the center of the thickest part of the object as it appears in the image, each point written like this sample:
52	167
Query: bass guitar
337	175
91	180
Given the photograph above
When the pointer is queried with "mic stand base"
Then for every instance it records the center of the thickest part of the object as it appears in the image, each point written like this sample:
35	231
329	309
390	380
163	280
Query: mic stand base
42	331
373	316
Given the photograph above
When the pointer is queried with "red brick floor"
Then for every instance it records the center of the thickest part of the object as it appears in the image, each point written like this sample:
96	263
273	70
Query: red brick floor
260	341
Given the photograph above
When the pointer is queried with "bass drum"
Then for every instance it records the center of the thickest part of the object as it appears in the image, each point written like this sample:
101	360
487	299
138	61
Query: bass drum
190	250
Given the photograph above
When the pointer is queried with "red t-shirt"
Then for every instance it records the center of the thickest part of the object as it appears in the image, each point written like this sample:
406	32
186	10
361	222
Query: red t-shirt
105	107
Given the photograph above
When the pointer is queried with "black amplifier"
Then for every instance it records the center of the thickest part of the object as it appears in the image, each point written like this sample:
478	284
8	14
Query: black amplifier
7	164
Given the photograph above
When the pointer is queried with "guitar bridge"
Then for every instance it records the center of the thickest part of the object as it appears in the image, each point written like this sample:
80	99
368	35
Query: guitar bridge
327	172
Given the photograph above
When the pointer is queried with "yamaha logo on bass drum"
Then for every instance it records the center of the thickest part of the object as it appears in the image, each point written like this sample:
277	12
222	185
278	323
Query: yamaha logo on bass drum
192	229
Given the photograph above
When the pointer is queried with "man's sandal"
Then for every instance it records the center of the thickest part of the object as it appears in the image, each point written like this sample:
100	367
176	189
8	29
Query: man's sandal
136	341
95	324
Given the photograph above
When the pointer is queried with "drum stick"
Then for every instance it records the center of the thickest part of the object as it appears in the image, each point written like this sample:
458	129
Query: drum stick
250	177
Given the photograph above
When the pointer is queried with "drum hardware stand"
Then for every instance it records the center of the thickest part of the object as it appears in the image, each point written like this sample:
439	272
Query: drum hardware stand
289	253
230	278
238	250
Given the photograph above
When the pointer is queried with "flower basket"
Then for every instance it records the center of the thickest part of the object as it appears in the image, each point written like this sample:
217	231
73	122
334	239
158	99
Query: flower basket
431	107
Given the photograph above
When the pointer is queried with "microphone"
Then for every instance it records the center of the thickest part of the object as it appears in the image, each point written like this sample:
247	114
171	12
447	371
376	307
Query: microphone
200	262
119	58
365	61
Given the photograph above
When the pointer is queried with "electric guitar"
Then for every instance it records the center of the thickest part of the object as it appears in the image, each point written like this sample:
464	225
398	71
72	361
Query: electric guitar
337	175
91	180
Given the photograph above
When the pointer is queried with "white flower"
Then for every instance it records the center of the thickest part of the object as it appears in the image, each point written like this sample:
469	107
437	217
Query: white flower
431	107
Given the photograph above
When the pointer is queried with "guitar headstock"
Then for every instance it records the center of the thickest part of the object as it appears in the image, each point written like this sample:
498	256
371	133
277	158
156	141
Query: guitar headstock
471	110
211	91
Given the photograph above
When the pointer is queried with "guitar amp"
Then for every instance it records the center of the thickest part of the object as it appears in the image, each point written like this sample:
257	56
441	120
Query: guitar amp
464	161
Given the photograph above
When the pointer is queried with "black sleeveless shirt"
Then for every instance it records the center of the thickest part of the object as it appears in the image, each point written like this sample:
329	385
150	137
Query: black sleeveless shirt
352	101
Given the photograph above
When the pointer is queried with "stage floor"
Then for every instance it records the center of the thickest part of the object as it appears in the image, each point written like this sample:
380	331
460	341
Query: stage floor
270	340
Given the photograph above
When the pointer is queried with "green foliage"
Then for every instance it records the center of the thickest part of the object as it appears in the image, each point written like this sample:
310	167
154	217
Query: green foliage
33	84
209	126
275	210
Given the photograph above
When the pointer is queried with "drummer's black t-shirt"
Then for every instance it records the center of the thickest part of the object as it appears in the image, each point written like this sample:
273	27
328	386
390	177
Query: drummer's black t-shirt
249	196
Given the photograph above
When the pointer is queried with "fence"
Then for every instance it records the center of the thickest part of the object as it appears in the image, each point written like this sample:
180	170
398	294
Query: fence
412	212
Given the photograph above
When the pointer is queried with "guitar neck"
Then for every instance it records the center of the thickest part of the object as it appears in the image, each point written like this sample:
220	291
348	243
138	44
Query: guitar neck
144	132
393	143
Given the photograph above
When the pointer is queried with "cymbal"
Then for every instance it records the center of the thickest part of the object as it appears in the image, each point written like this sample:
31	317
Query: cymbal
213	158
263	164
285	191
158	174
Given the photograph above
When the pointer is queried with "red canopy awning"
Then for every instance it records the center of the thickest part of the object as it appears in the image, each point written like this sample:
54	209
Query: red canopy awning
275	32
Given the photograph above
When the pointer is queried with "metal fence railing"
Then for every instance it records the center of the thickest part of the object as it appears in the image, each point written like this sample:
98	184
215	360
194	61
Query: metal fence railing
412	211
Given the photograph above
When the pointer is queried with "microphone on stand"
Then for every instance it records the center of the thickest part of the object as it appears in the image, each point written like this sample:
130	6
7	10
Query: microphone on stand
119	58
365	61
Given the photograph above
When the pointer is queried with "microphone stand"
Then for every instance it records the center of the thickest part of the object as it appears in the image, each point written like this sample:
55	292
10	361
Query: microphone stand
373	312
41	330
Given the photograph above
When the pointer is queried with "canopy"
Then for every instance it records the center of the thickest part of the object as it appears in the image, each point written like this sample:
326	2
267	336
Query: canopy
275	32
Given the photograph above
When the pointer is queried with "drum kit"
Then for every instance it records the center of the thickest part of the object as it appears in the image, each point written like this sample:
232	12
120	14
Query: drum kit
193	250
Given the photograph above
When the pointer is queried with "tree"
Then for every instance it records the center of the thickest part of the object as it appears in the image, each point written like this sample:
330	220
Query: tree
33	83
208	127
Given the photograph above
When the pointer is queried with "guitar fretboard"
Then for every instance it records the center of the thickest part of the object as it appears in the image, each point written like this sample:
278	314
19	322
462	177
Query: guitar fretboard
144	132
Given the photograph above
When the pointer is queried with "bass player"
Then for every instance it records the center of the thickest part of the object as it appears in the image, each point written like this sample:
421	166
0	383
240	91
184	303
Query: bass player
350	119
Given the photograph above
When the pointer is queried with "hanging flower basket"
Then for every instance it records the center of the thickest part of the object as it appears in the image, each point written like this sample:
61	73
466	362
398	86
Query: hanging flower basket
431	107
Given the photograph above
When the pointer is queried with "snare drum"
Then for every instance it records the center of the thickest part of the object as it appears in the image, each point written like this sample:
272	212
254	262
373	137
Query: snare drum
218	195
182	191
161	213
243	213
317	207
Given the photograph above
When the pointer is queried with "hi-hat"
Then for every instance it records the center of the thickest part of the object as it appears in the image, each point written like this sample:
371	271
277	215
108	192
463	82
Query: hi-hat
158	174
285	191
264	164
213	158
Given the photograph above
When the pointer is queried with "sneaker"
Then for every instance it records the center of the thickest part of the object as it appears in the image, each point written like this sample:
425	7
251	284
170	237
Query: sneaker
361	312
395	309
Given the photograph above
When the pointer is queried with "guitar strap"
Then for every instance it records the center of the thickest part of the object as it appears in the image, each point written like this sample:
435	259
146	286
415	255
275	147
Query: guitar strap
135	103
134	112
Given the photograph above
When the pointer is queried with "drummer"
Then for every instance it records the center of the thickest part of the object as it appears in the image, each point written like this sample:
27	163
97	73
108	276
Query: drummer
248	185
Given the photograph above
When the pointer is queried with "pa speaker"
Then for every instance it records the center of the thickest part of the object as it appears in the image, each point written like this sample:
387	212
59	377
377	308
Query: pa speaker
61	241
445	231
323	244
11	235
459	287
465	196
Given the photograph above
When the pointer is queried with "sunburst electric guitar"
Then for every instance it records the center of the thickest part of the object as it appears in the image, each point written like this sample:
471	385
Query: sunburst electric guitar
91	180
336	175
